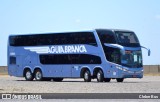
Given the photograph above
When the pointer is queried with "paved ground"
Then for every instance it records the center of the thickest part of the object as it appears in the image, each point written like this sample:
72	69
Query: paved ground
148	84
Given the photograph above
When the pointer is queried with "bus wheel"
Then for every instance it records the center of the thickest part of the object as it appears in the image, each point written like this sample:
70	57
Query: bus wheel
87	76
107	79
38	75
120	79
28	75
57	79
100	76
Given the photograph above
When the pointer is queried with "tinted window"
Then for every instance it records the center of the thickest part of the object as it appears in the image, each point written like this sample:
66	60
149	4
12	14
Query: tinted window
112	54
12	60
53	39
106	37
127	39
70	59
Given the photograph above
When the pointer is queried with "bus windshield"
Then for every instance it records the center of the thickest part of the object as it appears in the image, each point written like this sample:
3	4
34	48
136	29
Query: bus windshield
132	59
127	39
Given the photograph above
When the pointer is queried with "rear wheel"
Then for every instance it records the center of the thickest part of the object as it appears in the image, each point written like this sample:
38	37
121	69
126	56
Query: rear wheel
38	75
100	76
57	79
107	79
28	75
87	76
120	79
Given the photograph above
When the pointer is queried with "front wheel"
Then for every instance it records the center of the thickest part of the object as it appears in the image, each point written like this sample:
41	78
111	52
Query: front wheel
100	76
38	75
87	76
120	79
28	75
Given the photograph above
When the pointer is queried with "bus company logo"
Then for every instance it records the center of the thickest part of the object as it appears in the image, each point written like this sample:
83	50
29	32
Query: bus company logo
58	49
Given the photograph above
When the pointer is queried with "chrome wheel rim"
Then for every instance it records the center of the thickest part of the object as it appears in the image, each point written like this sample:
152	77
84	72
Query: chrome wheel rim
98	76
86	75
38	75
28	75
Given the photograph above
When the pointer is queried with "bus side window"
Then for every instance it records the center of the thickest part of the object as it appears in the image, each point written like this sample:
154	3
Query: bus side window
115	56
12	60
112	54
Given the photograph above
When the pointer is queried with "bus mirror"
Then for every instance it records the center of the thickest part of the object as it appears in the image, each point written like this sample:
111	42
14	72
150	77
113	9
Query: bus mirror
149	51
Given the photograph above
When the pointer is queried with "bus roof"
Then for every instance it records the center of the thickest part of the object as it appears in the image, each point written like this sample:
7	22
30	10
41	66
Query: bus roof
53	32
93	30
114	30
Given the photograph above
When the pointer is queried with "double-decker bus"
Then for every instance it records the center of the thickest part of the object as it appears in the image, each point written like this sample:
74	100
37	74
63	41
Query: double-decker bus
103	54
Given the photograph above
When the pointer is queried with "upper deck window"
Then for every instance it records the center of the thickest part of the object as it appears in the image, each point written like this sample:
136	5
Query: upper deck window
127	38
106	37
53	39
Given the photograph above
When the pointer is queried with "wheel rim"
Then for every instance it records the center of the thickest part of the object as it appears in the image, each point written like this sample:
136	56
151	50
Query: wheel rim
38	75
98	76
86	75
28	74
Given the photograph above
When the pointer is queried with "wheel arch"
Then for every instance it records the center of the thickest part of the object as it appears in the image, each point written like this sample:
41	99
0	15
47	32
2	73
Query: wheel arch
96	69
37	68
83	69
25	69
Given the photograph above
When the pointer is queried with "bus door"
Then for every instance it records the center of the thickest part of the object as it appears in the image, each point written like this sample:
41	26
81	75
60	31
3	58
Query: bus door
115	59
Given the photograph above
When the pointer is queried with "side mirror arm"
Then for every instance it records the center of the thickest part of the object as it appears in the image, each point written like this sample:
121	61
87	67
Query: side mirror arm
149	51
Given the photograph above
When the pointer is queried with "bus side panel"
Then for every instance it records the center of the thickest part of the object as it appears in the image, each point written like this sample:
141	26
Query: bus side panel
51	70
67	70
19	65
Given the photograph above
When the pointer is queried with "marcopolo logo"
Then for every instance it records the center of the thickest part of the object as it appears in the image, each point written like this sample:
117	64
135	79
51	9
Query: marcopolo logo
58	49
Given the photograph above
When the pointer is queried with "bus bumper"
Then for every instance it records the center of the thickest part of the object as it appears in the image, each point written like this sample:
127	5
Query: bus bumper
133	76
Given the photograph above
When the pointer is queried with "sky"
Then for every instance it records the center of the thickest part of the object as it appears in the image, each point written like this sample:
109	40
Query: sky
42	16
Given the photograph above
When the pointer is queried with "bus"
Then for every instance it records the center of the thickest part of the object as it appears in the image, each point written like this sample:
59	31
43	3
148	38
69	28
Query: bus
101	54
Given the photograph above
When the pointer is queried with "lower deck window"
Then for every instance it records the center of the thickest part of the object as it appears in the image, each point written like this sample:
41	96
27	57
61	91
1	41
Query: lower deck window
70	59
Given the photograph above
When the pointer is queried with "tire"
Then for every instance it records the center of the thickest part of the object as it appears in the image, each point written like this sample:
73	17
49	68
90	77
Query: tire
28	75
38	75
87	76
120	79
100	76
107	79
57	79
